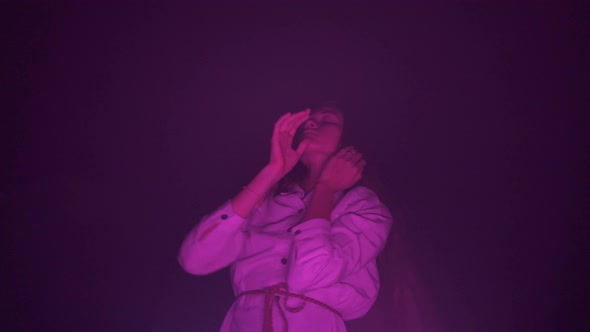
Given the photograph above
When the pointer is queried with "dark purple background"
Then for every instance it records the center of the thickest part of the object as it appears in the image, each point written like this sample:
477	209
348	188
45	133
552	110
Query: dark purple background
132	121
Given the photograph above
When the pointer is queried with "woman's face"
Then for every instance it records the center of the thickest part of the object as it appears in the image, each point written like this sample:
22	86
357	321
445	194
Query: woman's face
324	130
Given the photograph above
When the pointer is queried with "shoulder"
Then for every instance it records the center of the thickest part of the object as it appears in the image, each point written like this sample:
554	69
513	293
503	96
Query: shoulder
359	194
361	190
361	198
360	209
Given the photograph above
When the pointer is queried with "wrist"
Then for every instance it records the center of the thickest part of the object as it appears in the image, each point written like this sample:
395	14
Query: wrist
323	188
271	173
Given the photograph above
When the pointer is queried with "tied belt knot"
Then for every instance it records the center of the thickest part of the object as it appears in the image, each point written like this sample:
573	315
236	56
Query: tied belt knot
271	297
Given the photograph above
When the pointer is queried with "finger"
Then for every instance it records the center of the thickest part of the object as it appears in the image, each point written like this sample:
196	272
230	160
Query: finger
284	117
342	152
285	124
294	122
350	153
280	122
285	142
296	125
356	156
357	177
301	118
361	165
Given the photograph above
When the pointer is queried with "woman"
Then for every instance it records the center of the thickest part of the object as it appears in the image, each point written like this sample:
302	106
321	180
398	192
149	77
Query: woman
302	258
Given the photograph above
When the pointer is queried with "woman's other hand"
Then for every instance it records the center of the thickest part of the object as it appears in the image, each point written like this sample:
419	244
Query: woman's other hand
342	170
282	155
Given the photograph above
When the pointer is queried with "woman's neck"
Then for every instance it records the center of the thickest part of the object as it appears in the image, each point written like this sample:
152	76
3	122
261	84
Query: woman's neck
314	170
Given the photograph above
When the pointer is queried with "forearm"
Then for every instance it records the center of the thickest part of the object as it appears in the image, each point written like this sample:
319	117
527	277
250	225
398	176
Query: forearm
245	201
321	204
213	243
324	253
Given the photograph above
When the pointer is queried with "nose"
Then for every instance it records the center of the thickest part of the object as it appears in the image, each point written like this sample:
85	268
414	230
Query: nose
310	124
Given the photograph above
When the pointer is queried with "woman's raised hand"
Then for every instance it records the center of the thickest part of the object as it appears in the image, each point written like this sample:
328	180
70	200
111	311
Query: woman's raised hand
342	170
282	155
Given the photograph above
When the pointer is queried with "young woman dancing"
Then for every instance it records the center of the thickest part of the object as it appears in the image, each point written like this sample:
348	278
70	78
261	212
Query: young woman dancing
301	237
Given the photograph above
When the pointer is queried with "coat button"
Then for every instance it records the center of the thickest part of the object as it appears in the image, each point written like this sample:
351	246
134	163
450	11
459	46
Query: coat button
224	216
284	261
277	298
297	232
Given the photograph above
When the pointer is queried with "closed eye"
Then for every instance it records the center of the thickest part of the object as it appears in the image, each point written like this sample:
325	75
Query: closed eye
329	119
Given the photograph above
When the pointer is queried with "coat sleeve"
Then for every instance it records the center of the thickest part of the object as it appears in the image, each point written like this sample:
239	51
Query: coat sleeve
325	252
214	243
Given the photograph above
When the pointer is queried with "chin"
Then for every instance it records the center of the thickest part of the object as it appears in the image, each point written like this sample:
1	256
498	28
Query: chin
317	149
313	147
